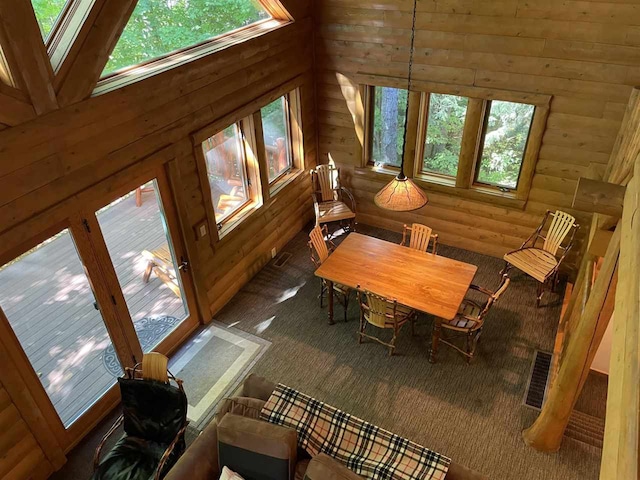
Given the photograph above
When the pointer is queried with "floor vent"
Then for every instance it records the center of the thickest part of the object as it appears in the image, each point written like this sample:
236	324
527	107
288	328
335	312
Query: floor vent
282	259
537	387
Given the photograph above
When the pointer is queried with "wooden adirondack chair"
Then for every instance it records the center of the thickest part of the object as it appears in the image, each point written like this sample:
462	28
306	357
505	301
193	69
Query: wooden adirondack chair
541	261
419	237
332	202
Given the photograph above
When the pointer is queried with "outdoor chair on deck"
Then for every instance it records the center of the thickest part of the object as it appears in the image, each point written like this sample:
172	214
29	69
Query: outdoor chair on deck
541	262
467	323
331	201
320	250
385	314
155	420
419	237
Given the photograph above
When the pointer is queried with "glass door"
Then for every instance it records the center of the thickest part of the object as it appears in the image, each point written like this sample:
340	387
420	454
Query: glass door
150	265
48	299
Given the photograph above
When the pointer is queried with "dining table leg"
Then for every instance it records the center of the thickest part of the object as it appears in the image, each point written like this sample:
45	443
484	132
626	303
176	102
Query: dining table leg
330	300
435	340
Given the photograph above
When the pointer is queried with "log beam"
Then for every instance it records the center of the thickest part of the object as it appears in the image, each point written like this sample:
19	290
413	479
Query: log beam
26	54
83	70
598	197
547	431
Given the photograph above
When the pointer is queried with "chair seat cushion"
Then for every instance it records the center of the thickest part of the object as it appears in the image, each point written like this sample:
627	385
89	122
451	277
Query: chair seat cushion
334	211
133	459
323	467
533	261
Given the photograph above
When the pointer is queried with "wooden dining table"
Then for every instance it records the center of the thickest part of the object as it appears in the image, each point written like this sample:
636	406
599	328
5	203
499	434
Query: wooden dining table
423	281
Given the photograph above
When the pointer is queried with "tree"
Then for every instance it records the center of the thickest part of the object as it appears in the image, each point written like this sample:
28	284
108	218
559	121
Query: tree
47	12
445	126
388	125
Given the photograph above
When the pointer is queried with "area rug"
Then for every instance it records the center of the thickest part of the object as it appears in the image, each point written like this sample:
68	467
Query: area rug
212	364
150	331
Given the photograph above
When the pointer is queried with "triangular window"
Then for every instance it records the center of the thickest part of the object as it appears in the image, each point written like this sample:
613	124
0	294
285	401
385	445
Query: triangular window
158	28
48	12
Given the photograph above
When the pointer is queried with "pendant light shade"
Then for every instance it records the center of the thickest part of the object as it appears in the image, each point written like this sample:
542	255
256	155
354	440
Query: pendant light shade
401	195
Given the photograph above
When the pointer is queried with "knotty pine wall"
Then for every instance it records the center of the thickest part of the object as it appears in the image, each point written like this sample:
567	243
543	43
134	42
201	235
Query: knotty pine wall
586	54
47	161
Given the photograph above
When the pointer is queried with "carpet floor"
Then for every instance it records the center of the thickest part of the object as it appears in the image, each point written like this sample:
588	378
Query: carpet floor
471	413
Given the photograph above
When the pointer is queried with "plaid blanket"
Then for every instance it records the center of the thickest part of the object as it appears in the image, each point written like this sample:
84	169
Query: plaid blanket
366	449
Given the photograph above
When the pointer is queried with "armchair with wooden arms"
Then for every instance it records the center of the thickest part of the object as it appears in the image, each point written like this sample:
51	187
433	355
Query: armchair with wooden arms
331	201
154	419
320	249
467	323
383	313
419	238
541	261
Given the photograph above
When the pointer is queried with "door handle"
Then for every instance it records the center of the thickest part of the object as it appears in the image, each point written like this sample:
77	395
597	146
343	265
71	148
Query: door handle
184	265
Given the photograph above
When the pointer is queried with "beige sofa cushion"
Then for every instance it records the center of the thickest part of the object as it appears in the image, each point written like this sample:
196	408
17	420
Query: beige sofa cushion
256	449
323	467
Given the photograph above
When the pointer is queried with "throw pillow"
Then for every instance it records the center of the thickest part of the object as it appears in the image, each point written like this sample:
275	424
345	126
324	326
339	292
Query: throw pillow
229	475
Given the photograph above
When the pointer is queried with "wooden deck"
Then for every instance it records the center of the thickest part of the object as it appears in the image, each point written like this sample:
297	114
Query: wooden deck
49	304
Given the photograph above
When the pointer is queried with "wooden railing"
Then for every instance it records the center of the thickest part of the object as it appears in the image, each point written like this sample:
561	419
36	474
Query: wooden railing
622	428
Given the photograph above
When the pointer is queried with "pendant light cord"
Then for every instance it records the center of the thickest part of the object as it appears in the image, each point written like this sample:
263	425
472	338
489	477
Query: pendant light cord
402	176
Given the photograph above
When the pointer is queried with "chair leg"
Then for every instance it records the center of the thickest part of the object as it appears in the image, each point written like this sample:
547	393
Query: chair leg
346	305
321	292
506	268
435	341
539	294
393	342
362	326
413	326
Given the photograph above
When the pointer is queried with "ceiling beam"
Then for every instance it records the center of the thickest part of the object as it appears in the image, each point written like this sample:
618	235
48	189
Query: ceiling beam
25	53
85	68
599	197
15	108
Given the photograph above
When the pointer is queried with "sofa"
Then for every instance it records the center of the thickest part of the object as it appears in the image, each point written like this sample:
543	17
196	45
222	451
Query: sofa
238	439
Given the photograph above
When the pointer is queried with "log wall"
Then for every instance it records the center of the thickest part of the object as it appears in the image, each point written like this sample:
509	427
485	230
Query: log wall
50	160
584	53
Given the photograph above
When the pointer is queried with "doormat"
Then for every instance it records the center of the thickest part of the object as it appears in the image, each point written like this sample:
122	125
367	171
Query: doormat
212	364
150	331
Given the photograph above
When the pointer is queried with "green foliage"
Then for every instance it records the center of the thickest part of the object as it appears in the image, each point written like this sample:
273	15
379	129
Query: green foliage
159	27
445	125
389	115
506	137
274	121
47	12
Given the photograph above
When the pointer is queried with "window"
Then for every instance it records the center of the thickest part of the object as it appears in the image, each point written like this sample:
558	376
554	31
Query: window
158	28
481	145
277	138
445	125
47	13
389	108
504	140
226	165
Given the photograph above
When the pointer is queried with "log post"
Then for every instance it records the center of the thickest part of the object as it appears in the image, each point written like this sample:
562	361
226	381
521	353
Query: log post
547	431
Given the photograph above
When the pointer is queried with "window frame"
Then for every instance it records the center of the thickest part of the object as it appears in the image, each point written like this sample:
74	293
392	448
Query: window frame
465	183
252	172
262	192
134	73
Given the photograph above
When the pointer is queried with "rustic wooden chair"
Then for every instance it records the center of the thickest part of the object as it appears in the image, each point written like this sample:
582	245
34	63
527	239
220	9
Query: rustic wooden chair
383	313
541	261
154	419
467	323
320	250
331	201
419	237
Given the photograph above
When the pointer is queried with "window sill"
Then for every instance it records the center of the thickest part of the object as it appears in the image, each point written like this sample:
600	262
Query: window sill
283	181
448	186
154	67
231	223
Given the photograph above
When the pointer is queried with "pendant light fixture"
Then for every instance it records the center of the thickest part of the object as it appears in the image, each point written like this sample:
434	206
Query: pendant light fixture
401	194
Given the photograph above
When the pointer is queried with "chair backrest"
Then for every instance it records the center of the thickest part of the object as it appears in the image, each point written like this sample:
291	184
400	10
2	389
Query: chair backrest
327	178
318	244
419	237
495	296
153	409
560	226
378	310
